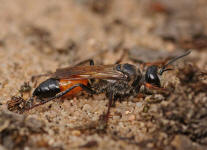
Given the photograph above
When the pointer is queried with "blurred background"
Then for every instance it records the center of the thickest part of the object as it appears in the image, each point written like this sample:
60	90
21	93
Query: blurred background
39	36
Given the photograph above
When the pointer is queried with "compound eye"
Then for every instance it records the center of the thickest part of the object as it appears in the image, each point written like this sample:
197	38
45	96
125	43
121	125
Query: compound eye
118	67
151	76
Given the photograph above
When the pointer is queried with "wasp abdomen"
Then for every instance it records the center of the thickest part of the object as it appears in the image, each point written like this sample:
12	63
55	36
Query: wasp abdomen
47	89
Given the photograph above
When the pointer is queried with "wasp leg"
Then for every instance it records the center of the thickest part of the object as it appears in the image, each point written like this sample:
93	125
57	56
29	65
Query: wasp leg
140	95
121	57
157	63
91	62
105	117
84	87
150	86
33	78
111	102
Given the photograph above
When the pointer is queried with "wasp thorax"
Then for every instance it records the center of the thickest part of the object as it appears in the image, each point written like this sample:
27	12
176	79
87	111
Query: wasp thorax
129	70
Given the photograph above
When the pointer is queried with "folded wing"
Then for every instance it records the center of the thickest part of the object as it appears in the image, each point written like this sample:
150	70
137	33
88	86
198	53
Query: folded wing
89	72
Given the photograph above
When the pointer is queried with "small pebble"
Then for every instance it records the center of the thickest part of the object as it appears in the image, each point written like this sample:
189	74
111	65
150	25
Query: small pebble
139	104
87	107
116	117
76	133
127	112
132	117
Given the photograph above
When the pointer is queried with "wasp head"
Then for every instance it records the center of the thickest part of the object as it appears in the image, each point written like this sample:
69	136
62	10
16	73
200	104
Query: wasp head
153	72
151	76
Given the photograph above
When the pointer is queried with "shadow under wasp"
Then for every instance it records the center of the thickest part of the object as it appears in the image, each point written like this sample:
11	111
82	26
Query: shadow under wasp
117	81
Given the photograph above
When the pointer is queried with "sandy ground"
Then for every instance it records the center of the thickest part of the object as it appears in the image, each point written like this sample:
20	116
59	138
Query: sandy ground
39	36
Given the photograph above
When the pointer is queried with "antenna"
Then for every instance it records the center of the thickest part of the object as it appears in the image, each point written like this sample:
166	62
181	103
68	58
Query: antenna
163	69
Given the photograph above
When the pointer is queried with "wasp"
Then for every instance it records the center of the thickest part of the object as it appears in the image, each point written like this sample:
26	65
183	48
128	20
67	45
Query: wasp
117	81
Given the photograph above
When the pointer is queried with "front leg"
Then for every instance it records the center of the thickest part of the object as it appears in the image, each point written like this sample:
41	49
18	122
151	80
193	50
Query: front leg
150	88
157	63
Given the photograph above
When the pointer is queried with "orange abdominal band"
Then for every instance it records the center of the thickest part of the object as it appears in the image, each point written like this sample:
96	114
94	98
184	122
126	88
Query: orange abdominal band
66	84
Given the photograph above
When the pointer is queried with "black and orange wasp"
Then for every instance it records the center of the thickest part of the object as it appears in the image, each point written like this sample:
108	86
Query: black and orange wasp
117	81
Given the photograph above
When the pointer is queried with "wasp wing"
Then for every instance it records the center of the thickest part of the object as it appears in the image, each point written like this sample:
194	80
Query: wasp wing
89	72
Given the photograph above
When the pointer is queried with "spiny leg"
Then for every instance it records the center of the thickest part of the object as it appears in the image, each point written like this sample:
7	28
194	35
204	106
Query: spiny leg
157	63
40	75
105	117
35	77
84	87
91	62
167	62
111	102
121	57
153	87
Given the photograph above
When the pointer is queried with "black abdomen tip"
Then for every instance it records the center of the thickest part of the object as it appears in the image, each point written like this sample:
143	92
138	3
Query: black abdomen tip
47	89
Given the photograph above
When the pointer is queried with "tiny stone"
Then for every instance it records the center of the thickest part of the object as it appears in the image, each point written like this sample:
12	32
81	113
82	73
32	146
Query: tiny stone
87	107
139	104
127	112
116	117
132	117
76	133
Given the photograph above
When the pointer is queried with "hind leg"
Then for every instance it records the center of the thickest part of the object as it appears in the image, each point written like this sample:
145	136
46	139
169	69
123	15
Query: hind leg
84	87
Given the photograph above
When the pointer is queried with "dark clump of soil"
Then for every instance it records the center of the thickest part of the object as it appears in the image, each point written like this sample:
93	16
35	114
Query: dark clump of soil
39	37
18	132
16	104
184	27
143	54
185	112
